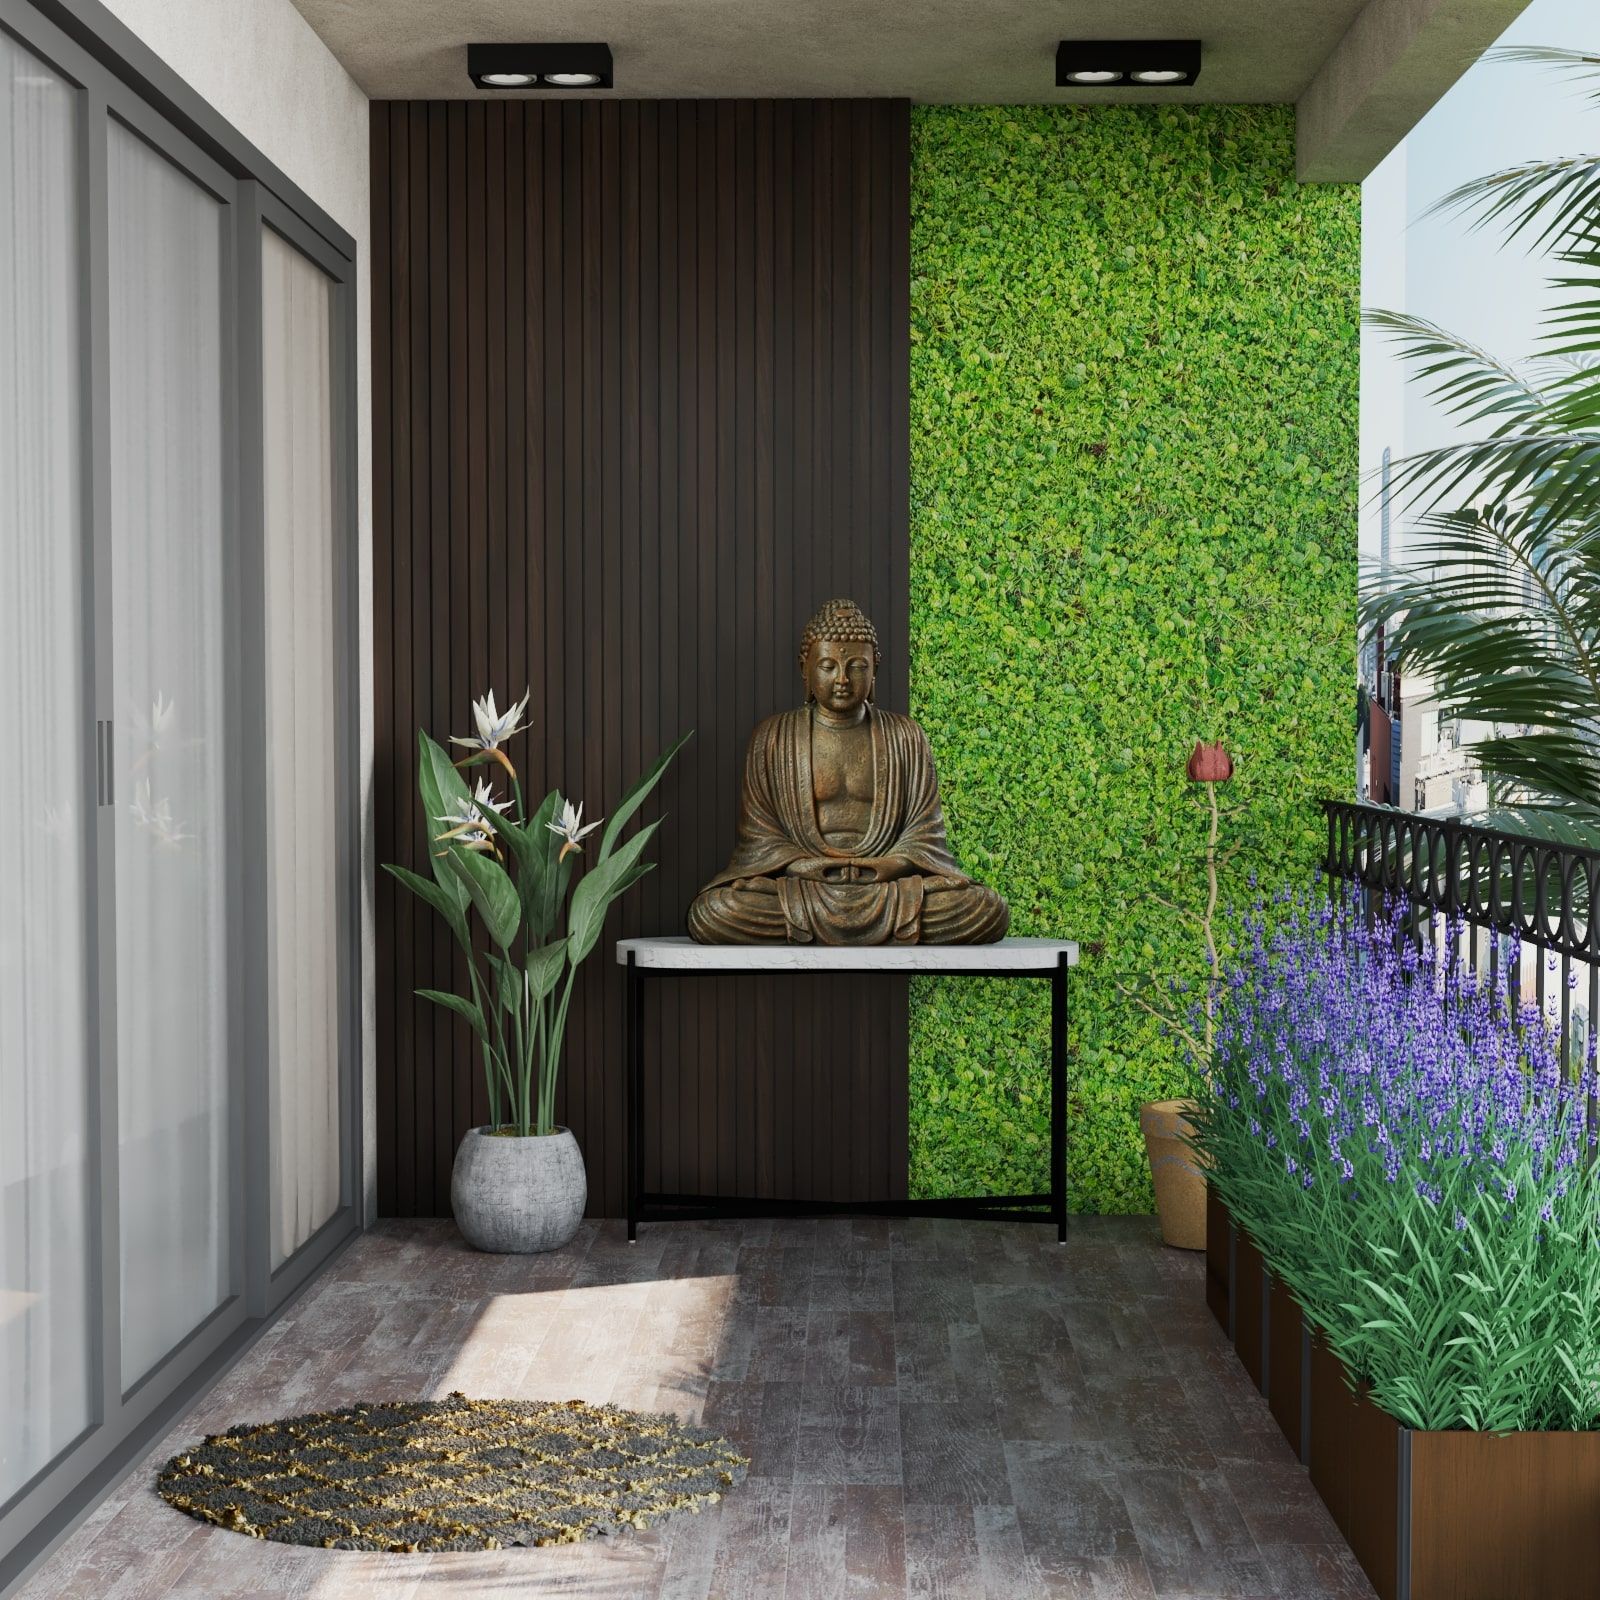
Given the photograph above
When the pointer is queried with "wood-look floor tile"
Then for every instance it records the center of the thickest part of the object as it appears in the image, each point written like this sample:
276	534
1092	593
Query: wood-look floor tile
752	1556
953	1453
862	1285
762	1419
1315	1572
931	1293
1192	1534
846	1346
817	1534
941	1361
1143	1422
849	1433
1113	1339
1070	1498
1278	1504
942	1557
933	1407
1003	1559
1023	1320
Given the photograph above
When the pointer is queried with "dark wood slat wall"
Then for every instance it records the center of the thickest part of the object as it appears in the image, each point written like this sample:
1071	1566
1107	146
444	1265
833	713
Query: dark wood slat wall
640	376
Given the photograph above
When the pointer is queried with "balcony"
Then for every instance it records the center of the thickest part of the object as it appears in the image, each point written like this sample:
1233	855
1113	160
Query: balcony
652	683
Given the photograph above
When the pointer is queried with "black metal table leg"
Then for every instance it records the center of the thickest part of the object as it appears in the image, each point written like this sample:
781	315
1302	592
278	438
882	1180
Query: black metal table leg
635	1099
1058	1096
643	1205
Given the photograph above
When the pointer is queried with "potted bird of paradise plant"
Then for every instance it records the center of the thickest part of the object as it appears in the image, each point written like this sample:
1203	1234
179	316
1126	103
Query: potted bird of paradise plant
519	1184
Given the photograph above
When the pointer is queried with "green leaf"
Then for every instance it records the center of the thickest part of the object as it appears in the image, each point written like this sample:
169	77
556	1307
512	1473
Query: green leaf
443	900
493	894
543	967
542	877
597	889
508	982
441	789
454	1002
635	797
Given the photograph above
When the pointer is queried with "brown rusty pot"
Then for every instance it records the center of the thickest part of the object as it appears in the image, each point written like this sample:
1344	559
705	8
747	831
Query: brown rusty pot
1180	1185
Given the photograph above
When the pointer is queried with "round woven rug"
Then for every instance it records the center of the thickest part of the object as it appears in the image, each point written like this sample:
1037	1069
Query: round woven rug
452	1474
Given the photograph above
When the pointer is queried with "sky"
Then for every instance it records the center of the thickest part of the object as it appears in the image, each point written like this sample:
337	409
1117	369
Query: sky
1497	115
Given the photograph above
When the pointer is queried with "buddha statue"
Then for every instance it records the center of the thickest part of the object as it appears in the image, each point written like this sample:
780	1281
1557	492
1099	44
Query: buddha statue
841	838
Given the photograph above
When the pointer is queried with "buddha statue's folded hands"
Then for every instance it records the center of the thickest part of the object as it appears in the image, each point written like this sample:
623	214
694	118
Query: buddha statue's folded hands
841	837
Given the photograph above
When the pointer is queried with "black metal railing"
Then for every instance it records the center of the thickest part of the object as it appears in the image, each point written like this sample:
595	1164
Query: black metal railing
1498	895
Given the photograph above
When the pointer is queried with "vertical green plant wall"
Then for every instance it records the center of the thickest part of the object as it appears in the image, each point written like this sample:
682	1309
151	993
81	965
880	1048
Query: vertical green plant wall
1134	500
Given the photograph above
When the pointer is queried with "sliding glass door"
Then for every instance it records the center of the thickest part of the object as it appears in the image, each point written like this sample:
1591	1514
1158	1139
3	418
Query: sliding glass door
301	512
46	1337
170	673
179	968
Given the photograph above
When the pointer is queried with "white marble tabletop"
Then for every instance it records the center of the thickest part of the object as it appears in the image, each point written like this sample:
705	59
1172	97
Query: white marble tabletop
682	954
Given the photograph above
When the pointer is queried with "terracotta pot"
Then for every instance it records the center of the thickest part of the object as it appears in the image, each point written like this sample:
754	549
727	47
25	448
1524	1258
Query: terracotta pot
1180	1184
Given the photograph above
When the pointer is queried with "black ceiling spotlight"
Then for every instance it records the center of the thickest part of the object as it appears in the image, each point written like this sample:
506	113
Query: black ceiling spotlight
539	66
1127	63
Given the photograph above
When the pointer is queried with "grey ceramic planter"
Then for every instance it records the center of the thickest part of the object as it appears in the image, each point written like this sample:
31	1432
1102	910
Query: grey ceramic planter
517	1196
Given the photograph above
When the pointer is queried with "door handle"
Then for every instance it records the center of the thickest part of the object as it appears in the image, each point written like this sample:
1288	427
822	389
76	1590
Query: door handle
105	770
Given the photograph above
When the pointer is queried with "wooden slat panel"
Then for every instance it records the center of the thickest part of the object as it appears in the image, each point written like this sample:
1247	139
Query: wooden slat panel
640	374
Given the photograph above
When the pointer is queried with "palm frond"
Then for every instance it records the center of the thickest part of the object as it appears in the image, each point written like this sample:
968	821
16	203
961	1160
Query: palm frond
1559	766
1561	192
1462	376
1501	611
1579	63
1559	824
1554	476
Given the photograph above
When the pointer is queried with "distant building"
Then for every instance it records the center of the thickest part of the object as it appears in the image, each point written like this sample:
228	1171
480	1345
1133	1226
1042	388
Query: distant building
1408	753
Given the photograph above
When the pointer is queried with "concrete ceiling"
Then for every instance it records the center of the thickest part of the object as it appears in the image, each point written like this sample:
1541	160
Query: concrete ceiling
945	51
988	51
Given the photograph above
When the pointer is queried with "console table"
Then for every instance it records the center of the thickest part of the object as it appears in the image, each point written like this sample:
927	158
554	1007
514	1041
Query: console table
1046	959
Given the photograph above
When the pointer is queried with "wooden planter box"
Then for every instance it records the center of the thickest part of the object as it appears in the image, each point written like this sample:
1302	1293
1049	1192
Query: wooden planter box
1430	1516
1250	1308
1287	1388
1219	1261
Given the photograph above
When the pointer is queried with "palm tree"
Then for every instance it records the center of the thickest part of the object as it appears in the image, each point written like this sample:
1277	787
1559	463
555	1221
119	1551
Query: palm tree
1502	608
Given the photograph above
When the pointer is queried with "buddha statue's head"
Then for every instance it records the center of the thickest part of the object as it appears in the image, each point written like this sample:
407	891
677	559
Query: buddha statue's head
839	658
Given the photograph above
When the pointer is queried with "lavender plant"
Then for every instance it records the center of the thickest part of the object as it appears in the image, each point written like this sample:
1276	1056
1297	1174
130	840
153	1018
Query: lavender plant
1414	1166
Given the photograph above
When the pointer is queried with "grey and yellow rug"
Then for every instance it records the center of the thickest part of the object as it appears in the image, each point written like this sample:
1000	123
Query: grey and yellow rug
454	1474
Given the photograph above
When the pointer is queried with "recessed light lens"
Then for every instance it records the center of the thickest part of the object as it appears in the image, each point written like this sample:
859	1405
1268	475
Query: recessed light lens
1095	77
1161	75
508	80
571	80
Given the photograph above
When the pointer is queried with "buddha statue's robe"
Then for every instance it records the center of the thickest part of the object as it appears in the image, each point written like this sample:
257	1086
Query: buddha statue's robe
935	904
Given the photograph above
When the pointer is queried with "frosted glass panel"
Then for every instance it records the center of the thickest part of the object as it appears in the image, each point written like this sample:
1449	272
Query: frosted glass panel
297	306
44	932
166	238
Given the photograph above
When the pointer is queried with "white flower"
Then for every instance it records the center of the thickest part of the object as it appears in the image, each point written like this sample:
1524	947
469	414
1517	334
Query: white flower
469	825
484	796
494	727
569	829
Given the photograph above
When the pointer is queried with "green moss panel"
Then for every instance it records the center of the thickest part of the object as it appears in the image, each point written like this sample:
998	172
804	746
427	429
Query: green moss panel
1134	515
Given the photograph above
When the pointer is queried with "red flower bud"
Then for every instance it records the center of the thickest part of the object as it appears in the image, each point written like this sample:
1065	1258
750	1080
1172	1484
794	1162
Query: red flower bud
1210	763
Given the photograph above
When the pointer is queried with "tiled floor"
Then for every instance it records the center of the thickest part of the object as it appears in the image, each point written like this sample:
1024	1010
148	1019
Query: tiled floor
932	1408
